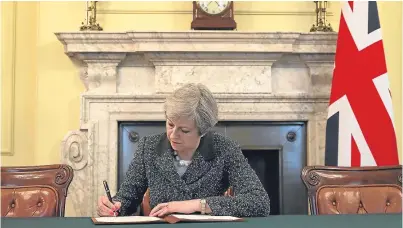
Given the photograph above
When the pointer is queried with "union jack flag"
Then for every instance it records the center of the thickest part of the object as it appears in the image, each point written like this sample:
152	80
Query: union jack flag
360	129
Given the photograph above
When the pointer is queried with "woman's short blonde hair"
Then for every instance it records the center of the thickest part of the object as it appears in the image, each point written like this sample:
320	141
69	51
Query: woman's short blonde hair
193	101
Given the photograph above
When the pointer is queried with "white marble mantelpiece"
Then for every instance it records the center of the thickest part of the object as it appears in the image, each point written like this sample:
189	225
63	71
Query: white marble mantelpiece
254	76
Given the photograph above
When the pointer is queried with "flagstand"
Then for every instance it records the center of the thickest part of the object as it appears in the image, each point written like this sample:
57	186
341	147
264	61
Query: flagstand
320	25
91	20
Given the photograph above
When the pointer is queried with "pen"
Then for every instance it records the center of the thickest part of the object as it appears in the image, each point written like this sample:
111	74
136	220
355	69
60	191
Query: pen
108	193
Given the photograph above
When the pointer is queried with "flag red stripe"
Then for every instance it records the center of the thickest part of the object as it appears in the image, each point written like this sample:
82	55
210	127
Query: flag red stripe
351	3
355	154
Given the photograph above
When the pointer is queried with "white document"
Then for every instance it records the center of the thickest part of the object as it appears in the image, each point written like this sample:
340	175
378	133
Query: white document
148	219
204	218
128	219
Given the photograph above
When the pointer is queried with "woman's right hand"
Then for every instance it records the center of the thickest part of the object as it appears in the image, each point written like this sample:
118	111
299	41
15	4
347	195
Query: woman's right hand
106	208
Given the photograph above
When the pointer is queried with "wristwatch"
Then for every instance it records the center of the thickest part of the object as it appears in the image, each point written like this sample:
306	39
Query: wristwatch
203	206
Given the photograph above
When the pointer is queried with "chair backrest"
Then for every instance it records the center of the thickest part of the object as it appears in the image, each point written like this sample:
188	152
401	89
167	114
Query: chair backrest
146	208
353	190
35	191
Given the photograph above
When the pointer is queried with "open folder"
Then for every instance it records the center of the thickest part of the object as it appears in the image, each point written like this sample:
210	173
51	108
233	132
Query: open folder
173	218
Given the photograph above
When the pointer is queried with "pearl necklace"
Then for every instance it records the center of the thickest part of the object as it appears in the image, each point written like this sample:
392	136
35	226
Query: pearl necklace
181	162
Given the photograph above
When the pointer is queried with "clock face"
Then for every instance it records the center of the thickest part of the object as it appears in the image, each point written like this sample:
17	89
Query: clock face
213	7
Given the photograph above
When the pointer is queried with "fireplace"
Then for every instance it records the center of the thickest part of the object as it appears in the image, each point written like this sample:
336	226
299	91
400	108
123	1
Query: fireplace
275	150
268	165
266	84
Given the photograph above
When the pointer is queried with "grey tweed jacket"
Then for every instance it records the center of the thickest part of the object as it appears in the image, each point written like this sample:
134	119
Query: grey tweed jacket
217	164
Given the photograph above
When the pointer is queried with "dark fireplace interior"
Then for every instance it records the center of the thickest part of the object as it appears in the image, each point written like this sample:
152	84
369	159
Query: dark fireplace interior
266	164
275	150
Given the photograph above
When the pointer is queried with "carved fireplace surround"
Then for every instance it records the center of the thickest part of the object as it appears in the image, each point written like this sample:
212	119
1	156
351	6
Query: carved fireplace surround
254	76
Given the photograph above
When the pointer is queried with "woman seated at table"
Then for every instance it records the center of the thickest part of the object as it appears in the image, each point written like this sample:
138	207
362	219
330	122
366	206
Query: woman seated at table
188	168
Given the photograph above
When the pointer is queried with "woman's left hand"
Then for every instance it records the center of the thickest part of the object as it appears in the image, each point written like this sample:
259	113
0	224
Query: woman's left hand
183	207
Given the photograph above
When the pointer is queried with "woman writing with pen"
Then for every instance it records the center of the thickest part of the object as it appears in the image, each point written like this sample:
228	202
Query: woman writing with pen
188	168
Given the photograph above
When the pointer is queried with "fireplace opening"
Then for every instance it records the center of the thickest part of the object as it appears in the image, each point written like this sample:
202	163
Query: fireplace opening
276	151
266	165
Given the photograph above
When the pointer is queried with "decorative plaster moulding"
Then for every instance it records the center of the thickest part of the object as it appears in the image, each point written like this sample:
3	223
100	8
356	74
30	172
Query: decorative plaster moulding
254	42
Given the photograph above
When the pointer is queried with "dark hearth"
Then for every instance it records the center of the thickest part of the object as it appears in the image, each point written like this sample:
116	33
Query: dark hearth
266	164
275	150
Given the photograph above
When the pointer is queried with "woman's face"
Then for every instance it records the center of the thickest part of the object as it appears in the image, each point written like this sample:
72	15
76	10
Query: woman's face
183	135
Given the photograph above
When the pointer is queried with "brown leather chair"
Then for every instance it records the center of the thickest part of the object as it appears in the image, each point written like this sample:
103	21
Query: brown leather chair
146	208
353	190
34	191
